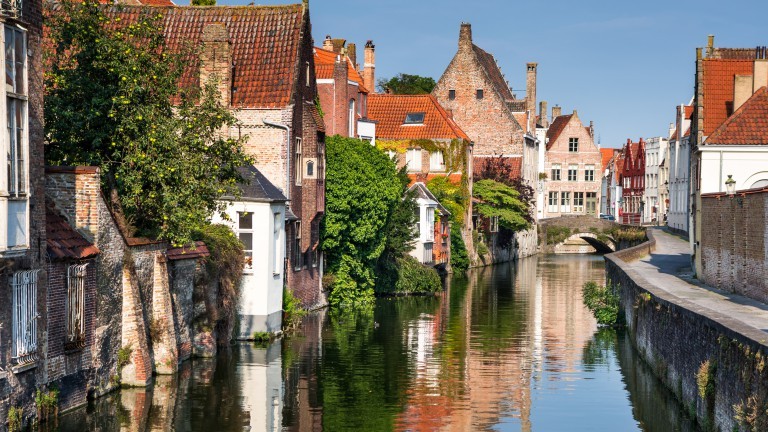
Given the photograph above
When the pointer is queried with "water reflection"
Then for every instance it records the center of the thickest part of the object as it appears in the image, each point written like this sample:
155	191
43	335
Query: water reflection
509	348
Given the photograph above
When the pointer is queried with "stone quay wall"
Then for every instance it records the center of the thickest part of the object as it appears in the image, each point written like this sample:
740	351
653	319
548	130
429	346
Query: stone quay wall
712	363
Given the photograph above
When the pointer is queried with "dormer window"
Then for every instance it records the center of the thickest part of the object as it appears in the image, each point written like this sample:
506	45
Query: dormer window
414	118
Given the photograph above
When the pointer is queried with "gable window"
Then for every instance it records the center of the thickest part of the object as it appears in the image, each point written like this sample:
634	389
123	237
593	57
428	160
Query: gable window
589	173
245	235
414	118
413	159
297	255
75	307
573	145
277	266
451	94
552	202
16	141
556	172
24	316
479	94
578	202
572	172
297	162
436	161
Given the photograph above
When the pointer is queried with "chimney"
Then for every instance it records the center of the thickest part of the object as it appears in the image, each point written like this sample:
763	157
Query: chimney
465	37
530	88
369	67
671	129
592	129
216	60
543	114
328	43
742	90
352	54
761	73
575	114
710	45
556	112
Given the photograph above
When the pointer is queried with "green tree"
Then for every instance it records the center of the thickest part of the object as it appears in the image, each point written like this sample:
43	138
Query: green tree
502	201
362	189
203	2
113	100
407	84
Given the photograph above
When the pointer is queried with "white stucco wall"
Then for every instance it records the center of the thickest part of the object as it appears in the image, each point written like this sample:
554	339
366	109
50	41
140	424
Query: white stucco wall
679	174
747	165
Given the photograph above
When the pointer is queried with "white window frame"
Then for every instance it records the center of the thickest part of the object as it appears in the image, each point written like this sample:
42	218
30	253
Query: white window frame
565	202
277	243
248	263
298	162
352	118
494	224
554	197
589	173
413	159
573	173
429	234
24	316
298	255
556	172
75	327
436	161
578	202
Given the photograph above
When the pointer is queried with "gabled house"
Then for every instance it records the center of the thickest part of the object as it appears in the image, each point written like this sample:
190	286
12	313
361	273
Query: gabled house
258	219
633	183
433	229
608	184
573	166
679	163
341	89
655	155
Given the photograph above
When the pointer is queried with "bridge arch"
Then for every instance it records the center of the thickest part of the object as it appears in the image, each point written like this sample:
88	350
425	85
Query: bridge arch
586	242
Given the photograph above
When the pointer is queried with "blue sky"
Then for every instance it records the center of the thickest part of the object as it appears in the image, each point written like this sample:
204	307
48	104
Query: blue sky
624	65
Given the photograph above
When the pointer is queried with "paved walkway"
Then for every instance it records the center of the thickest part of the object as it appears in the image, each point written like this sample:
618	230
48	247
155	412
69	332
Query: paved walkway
669	269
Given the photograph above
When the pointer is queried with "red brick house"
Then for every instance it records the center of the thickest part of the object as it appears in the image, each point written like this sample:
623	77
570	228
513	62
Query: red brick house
342	90
633	182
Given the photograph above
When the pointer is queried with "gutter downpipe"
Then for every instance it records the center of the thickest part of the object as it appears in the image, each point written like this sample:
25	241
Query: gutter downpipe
287	154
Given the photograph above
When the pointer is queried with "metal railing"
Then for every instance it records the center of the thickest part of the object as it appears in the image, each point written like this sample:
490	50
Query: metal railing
428	256
11	8
24	292
75	306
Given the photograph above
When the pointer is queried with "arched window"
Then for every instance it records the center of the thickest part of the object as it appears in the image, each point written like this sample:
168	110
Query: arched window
759	184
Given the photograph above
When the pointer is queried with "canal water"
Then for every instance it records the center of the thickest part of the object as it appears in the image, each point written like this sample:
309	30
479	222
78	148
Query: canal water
509	348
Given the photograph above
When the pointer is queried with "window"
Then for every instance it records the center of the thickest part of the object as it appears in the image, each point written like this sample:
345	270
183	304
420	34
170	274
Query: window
494	224
245	234
451	94
552	202
589	173
572	172
430	234
352	119
277	266
479	94
75	307
413	159
414	118
573	145
306	73
578	202
556	172
16	145
297	254
297	162
565	202
436	161
24	316
310	169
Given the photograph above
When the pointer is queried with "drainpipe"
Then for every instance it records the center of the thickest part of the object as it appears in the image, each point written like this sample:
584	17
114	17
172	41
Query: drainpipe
288	155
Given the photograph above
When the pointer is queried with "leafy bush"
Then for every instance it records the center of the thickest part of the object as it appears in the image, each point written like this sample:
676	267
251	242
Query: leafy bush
15	419
292	310
414	277
603	302
557	234
459	256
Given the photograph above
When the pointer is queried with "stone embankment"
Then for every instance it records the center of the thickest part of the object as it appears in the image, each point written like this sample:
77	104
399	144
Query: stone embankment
708	346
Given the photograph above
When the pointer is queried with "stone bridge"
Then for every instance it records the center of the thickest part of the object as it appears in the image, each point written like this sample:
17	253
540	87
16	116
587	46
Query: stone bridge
577	234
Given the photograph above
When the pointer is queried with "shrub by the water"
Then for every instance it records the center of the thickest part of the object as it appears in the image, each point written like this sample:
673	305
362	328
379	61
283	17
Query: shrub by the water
414	277
603	302
459	257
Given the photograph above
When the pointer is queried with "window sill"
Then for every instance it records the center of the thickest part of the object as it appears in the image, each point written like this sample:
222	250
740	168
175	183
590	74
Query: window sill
24	367
15	252
275	274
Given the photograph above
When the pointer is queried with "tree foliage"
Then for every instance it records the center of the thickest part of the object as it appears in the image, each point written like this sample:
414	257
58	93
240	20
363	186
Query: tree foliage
454	197
362	189
406	84
502	201
113	100
203	2
500	170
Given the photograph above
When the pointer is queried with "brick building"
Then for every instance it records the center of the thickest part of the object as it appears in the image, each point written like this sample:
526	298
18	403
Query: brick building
632	183
475	93
263	59
23	296
342	90
573	165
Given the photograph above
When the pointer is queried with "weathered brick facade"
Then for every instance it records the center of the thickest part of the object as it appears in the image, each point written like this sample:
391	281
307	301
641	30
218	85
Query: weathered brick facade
733	251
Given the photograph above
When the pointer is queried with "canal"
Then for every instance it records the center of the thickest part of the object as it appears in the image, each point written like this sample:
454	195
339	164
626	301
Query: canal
509	348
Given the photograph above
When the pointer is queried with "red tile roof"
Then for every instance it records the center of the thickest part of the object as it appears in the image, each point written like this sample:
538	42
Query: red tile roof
747	126
325	61
607	155
141	2
488	63
200	250
556	128
319	122
265	42
389	111
718	80
63	241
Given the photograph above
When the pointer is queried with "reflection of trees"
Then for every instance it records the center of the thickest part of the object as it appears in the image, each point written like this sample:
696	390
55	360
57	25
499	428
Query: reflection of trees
597	351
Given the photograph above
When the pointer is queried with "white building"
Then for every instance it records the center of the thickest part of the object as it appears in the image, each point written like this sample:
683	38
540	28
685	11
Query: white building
430	240
679	163
258	219
655	153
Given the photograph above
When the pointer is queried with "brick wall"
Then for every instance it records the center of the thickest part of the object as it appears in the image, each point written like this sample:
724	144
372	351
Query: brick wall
733	247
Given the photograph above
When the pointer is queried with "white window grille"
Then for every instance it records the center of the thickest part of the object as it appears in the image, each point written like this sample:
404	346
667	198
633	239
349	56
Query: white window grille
245	235
297	162
16	143
494	224
430	234
565	202
24	316
572	172
436	161
553	196
413	160
75	306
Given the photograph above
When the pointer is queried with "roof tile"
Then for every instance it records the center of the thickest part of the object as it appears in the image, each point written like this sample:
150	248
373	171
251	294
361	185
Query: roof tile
326	60
747	126
389	111
63	241
718	79
556	128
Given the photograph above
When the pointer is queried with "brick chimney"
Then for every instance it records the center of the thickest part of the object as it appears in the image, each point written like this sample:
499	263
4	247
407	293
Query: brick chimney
543	121
216	60
465	37
575	114
556	112
530	88
369	67
328	43
710	45
352	54
592	129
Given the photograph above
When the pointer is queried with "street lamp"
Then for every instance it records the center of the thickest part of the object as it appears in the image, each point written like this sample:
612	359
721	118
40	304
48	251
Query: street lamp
730	186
